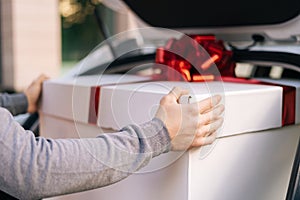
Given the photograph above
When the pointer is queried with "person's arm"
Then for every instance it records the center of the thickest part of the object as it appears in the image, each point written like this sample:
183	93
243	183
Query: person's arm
33	168
21	103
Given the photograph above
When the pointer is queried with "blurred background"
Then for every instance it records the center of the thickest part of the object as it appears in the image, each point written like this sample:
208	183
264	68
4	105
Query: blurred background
50	36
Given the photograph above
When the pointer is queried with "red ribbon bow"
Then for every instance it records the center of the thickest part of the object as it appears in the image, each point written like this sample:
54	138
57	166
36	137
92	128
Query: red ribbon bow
191	59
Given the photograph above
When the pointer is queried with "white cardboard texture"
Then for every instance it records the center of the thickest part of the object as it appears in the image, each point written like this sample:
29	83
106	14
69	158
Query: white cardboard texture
256	165
247	166
58	99
248	107
70	98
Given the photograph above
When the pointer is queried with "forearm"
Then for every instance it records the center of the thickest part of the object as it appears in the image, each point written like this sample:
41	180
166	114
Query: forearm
15	103
34	168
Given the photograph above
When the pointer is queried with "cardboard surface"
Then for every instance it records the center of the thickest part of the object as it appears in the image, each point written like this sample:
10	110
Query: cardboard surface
70	98
248	166
252	165
247	107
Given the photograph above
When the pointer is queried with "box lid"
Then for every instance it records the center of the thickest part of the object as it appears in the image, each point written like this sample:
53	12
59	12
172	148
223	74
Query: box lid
137	103
278	19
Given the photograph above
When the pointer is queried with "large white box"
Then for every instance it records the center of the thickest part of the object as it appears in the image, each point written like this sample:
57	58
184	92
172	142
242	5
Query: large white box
248	107
251	166
70	99
251	159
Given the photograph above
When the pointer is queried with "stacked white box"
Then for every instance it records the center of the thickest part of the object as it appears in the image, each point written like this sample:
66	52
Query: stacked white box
66	104
247	107
247	161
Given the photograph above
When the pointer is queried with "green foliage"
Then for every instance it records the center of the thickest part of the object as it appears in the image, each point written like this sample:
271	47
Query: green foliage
80	31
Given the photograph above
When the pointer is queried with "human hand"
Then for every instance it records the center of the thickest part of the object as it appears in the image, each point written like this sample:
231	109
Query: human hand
190	125
33	93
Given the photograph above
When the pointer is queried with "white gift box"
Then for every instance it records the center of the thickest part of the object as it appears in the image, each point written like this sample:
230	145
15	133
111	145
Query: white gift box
247	107
66	103
251	159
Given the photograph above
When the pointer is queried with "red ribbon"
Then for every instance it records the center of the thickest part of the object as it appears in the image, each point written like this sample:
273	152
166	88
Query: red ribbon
94	104
203	52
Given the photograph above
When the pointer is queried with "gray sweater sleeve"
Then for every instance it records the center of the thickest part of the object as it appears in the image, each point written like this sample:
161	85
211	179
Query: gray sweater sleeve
33	168
15	103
